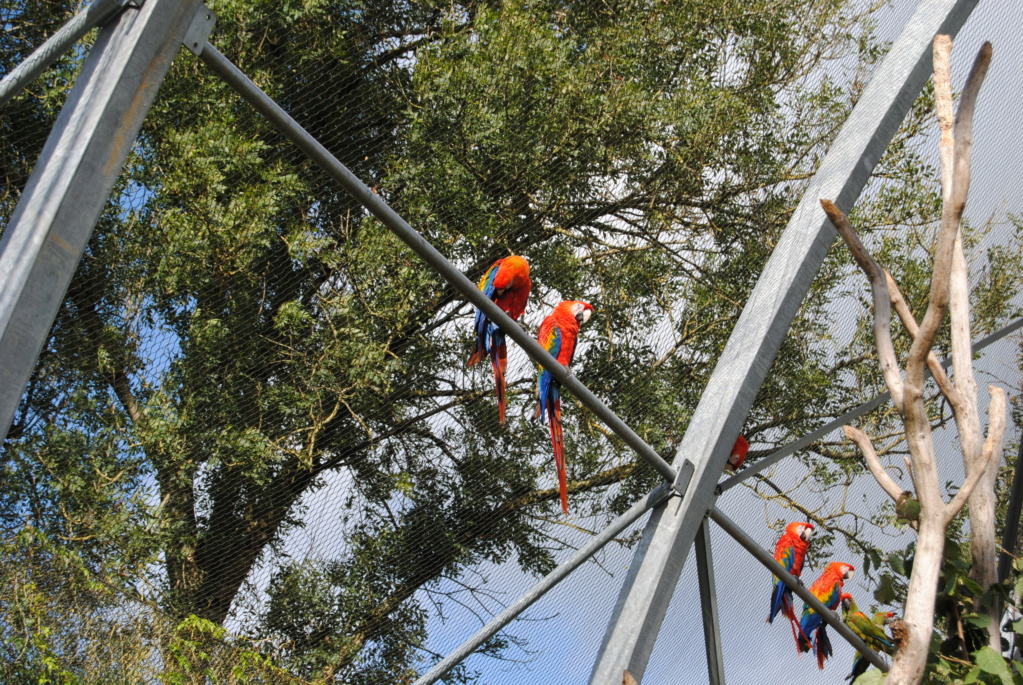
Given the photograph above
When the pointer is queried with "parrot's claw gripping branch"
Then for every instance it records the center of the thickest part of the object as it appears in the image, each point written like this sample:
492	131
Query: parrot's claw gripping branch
830	617
301	138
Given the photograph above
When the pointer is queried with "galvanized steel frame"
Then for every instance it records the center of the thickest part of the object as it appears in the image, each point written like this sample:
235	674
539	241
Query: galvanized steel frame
754	342
62	202
73	178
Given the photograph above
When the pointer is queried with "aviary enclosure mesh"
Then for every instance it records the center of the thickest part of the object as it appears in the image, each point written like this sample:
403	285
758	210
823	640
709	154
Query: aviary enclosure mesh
254	406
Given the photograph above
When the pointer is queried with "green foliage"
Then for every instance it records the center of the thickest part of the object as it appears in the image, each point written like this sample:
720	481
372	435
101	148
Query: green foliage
241	333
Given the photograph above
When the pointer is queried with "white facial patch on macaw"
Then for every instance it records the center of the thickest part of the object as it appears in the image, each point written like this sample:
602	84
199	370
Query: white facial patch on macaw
849	573
582	313
806	533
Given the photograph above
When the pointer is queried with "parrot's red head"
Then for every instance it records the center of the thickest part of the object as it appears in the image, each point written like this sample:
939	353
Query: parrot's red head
801	529
582	311
846	600
738	455
846	571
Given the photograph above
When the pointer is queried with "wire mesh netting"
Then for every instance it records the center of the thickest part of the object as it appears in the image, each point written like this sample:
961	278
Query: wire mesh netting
252	448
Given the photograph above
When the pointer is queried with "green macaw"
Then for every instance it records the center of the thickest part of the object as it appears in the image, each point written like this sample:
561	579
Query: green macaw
871	631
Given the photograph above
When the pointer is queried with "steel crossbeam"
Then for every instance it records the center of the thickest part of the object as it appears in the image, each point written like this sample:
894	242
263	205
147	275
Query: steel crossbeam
758	334
73	178
60	42
301	138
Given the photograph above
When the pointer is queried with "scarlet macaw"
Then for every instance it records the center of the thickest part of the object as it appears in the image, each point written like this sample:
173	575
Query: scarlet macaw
828	589
558	335
738	455
789	553
507	283
871	631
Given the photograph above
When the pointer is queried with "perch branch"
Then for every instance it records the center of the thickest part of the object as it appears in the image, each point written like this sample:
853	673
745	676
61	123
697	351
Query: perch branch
882	305
886	482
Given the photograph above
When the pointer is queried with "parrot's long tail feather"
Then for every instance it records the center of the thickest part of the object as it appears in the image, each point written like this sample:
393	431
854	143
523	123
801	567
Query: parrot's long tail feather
554	416
777	600
803	642
499	360
822	646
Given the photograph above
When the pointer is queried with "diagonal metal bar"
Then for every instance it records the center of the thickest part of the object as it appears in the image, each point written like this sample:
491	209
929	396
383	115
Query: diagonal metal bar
758	334
709	606
596	543
848	417
99	12
301	138
797	587
1011	533
73	178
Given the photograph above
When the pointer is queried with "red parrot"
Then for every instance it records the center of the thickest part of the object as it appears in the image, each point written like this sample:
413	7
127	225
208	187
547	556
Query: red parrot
507	283
738	455
789	553
558	334
828	589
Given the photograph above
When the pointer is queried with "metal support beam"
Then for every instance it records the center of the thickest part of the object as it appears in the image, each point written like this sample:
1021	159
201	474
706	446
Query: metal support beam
798	588
1011	533
595	543
709	606
99	12
73	178
808	439
758	334
301	138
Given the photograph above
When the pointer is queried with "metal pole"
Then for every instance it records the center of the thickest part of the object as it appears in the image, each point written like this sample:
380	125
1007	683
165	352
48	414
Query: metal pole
235	78
49	52
1011	533
73	178
597	542
751	349
792	582
846	418
709	606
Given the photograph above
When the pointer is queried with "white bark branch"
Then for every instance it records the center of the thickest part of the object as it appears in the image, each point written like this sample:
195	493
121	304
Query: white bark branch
909	323
862	441
882	303
991	454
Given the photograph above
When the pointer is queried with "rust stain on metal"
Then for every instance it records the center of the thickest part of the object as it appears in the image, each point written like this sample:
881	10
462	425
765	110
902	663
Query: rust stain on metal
156	69
61	243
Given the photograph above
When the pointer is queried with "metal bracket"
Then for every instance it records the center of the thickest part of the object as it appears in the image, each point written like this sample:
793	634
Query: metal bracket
685	474
199	30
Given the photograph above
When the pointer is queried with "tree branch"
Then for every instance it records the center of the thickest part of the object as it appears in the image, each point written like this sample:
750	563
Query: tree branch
886	482
991	454
882	302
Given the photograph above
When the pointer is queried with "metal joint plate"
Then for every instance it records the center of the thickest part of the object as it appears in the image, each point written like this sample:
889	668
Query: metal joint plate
199	30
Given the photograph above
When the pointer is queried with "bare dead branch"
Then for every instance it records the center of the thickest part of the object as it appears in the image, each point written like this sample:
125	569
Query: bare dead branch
991	454
882	304
954	199
905	315
886	482
943	103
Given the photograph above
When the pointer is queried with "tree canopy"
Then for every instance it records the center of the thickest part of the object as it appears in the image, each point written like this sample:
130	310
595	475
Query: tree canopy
241	333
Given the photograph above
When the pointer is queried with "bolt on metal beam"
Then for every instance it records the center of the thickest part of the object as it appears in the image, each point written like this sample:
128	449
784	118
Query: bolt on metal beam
528	598
301	138
709	606
796	445
96	14
798	588
758	334
73	178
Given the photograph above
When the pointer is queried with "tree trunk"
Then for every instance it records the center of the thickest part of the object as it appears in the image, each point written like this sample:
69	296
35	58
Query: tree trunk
911	659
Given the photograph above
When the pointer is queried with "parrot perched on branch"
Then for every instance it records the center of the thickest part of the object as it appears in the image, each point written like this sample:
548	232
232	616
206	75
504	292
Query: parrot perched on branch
507	283
871	631
789	553
828	589
738	455
558	335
